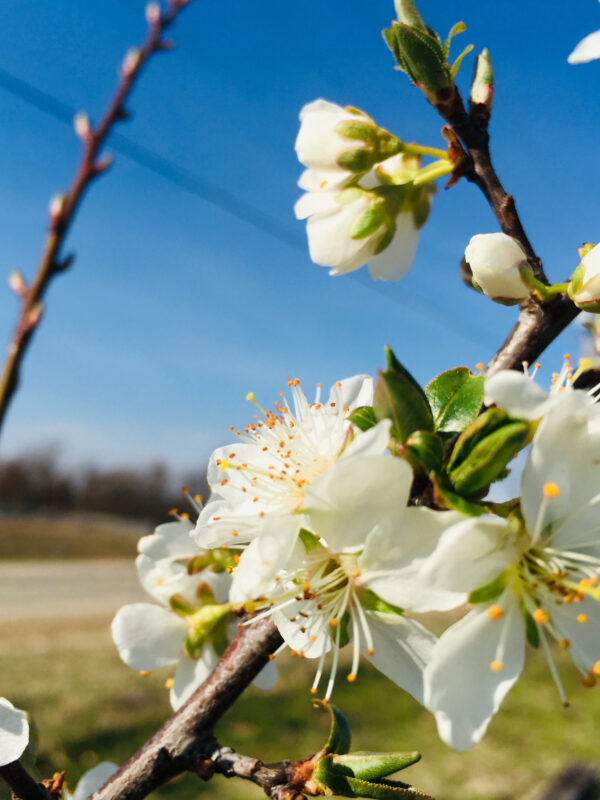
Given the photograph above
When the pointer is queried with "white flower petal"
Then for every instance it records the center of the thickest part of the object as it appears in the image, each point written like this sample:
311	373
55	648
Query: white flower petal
148	636
190	673
265	557
373	442
161	579
14	732
394	554
584	637
290	622
315	203
395	261
461	688
588	49
266	677
339	503
517	394
402	648
169	541
470	554
93	779
352	392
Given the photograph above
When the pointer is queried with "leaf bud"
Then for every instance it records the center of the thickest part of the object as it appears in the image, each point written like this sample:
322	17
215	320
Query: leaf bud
130	62
17	282
421	55
482	89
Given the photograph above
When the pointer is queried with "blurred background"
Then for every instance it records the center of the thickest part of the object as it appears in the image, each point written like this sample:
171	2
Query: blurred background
192	286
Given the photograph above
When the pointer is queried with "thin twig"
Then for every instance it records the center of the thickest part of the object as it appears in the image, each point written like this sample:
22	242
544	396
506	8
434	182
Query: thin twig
185	740
64	208
23	786
539	323
280	781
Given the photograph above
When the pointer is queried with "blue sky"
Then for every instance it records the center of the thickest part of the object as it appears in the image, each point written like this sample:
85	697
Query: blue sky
175	309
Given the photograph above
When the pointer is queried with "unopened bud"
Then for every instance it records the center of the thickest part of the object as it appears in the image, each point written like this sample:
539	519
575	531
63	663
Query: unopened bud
407	12
422	57
482	89
34	316
495	259
17	282
81	123
57	205
153	13
103	163
130	62
584	288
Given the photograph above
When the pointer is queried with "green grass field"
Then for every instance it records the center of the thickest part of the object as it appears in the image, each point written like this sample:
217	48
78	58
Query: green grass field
90	707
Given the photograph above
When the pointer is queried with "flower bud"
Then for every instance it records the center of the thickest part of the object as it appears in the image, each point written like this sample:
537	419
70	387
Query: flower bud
130	62
584	288
153	13
482	89
495	259
17	283
81	123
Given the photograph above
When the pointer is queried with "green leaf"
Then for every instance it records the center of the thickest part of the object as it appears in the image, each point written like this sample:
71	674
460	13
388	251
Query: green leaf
339	738
363	417
407	12
423	58
531	629
399	397
455	398
458	27
370	766
456	66
491	590
372	602
427	448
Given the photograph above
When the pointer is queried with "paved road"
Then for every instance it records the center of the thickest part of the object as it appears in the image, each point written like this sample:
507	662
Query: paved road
50	589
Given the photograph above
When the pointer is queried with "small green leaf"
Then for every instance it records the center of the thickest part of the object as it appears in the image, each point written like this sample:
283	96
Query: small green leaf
399	397
531	629
456	66
458	27
339	738
423	58
491	590
363	417
372	602
370	766
455	398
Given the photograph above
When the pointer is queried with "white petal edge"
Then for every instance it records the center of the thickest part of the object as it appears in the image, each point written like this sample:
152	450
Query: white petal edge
14	732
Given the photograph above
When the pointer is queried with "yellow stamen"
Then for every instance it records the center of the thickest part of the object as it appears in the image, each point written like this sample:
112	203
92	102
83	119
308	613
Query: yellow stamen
589	681
169	683
495	612
581	618
250	396
596	668
333	622
479	365
551	490
144	673
224	465
496	666
564	644
313	690
540	616
351	677
370	652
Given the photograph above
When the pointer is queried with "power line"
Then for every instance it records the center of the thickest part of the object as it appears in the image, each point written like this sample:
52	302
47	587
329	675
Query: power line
209	192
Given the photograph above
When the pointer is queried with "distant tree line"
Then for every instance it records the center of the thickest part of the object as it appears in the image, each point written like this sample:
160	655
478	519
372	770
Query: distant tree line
35	482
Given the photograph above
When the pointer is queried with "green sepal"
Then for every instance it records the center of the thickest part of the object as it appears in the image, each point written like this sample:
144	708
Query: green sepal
386	239
427	448
198	563
369	221
363	417
420	203
370	766
357	160
457	503
455	397
399	397
487	459
491	590
181	606
531	629
308	539
207	624
372	602
356	129
339	739
222	559
349	195
205	594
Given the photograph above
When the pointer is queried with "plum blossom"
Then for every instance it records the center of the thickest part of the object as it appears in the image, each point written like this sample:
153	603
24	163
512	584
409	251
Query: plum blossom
584	288
532	578
588	49
266	473
356	561
14	732
191	626
91	781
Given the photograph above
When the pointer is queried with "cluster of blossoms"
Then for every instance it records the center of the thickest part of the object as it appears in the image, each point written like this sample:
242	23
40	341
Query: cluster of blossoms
310	521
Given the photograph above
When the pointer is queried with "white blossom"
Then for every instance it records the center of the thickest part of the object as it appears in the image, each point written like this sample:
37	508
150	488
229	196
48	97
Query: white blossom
91	781
584	289
266	473
356	561
588	49
14	732
495	259
536	579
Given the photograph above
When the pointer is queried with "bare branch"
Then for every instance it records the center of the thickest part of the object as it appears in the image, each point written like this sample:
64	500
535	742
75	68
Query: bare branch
64	207
280	781
23	786
185	740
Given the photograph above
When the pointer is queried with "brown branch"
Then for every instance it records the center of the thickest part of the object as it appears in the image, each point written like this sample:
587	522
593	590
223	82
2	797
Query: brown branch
280	781
538	324
63	210
184	741
23	786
